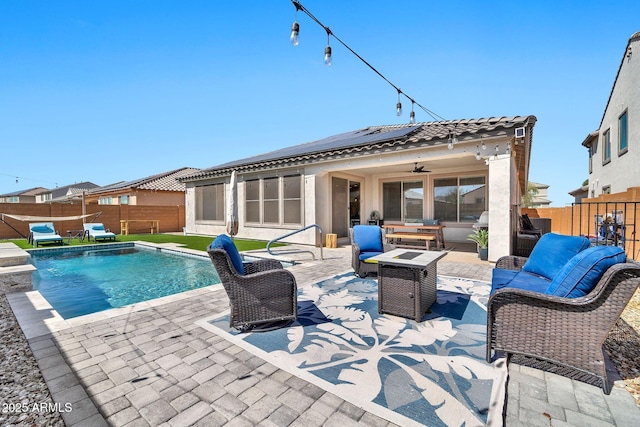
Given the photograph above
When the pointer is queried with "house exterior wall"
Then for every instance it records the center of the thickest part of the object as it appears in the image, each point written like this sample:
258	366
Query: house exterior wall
499	176
142	197
621	171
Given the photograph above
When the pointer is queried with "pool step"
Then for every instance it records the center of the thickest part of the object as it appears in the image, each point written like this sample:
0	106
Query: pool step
15	269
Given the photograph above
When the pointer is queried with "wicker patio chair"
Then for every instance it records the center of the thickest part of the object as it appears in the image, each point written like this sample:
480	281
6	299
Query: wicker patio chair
360	267
264	297
560	335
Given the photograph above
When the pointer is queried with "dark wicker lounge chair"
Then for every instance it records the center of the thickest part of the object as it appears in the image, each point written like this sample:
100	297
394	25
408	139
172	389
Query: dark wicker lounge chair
265	296
560	335
360	267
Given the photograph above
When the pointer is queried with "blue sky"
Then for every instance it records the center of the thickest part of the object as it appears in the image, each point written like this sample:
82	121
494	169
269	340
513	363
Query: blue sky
106	91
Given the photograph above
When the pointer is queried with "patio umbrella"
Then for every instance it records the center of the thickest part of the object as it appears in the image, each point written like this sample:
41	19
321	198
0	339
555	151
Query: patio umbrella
232	205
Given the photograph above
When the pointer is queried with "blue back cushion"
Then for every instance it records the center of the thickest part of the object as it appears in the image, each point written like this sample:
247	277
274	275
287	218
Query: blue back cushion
582	273
368	238
224	242
98	227
552	252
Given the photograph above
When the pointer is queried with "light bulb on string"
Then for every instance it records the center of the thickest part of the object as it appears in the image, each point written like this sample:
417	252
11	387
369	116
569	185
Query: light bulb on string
295	30
399	105
450	144
477	153
327	50
327	56
508	149
484	147
412	115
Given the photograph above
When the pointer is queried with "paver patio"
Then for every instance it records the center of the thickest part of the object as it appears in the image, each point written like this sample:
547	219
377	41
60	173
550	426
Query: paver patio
151	365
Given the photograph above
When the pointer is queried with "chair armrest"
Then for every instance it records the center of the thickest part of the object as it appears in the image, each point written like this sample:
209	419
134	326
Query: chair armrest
261	265
271	280
511	262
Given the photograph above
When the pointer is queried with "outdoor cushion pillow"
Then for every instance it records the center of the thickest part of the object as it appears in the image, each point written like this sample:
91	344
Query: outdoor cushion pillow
368	238
503	278
42	229
552	252
98	227
582	273
224	242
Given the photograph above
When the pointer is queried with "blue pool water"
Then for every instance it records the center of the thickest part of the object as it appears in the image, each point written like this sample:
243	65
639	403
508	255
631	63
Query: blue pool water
83	282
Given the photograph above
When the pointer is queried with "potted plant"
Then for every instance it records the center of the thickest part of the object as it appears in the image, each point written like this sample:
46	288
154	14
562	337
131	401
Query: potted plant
481	237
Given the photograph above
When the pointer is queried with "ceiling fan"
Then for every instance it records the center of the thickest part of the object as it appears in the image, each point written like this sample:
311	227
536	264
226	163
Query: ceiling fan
418	169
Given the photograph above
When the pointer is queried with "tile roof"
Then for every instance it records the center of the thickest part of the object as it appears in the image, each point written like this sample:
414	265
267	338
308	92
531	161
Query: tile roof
166	181
371	138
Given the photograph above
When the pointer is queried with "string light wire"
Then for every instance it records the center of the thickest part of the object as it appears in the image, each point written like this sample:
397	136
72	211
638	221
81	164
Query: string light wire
300	7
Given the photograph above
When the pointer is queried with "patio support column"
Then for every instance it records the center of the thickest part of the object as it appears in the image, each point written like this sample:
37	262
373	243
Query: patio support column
501	183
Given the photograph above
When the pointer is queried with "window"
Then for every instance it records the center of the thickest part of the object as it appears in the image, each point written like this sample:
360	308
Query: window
402	200
45	197
210	202
105	200
606	146
13	199
292	192
276	200
459	199
622	134
270	201
124	200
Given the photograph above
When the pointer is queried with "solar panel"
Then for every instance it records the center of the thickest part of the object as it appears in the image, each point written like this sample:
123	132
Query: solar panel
335	142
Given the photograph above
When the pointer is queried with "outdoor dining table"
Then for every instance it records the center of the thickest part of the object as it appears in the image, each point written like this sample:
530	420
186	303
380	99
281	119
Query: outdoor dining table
407	281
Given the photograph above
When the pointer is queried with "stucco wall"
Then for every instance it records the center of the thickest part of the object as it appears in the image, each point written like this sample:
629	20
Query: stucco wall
622	171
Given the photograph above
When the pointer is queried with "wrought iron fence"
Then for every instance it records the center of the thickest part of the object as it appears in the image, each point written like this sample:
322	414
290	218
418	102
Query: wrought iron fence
608	223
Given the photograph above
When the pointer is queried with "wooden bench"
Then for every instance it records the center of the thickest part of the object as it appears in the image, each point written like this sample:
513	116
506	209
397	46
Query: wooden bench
426	237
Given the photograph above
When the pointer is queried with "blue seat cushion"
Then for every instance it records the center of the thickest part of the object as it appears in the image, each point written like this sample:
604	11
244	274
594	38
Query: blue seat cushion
503	278
582	273
368	238
368	254
552	252
224	242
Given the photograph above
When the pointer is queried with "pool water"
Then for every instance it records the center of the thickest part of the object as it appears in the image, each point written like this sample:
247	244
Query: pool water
76	283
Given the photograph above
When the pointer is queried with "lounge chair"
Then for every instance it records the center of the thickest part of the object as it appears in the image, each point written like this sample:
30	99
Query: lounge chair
98	232
43	232
367	241
262	294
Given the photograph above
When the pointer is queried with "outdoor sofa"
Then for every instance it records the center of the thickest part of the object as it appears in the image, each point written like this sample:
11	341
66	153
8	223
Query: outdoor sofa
262	294
554	310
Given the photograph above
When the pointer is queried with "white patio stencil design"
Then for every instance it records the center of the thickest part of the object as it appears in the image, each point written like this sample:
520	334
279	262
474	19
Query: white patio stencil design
428	373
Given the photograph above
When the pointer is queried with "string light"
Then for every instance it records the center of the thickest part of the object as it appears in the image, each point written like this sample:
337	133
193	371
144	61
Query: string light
328	60
477	153
412	115
327	50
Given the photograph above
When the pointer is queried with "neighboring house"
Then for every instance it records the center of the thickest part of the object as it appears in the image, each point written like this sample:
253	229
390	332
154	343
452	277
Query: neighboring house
405	172
540	199
158	190
66	193
580	193
22	196
614	149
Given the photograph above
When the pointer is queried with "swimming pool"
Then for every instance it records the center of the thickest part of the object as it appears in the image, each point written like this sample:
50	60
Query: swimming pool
79	282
